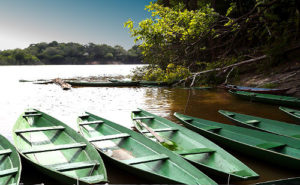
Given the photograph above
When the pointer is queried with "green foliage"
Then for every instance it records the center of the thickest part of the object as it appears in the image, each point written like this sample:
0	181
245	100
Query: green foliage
69	53
154	73
165	36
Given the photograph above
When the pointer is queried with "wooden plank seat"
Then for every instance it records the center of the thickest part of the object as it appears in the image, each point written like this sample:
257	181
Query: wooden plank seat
146	159
140	118
31	112
211	128
253	122
93	178
161	130
136	111
31	115
5	152
195	151
270	145
91	122
109	137
84	116
53	148
7	172
39	129
229	114
73	166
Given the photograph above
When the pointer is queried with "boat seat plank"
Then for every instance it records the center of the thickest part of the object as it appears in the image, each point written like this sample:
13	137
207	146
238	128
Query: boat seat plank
161	130
243	173
31	115
109	137
136	111
73	166
253	122
31	112
146	159
54	148
7	172
229	114
5	152
84	116
146	117
93	178
195	151
39	129
213	128
270	145
91	122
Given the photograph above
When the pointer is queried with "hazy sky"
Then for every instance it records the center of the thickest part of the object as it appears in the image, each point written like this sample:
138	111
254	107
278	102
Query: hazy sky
23	22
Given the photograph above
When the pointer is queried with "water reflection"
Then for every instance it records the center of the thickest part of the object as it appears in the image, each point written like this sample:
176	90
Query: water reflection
116	104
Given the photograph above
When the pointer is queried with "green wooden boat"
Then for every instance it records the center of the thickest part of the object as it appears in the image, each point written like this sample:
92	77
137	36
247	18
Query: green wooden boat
268	125
198	150
103	83
134	153
288	181
57	150
10	166
276	149
268	98
292	112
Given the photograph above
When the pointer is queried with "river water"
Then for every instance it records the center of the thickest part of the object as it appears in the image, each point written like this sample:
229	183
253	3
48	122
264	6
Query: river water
116	104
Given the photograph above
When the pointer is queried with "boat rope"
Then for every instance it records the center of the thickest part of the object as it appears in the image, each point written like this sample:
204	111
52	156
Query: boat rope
187	102
228	180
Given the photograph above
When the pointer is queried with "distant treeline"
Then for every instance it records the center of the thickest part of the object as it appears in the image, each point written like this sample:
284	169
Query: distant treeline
70	53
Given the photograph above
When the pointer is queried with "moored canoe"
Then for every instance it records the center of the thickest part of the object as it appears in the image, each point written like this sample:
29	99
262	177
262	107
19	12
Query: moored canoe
57	150
136	154
201	152
268	125
292	112
10	163
256	90
103	84
275	149
268	98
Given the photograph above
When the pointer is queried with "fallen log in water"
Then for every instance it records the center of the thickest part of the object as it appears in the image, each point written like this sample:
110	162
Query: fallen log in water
60	82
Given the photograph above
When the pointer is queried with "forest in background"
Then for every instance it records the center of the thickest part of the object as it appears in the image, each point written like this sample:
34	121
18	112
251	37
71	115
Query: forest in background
196	39
55	53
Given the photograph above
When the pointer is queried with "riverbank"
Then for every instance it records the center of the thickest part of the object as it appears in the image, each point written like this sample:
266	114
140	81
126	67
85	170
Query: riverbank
283	76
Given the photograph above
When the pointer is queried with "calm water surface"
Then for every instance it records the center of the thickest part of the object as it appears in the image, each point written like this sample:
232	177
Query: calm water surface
116	104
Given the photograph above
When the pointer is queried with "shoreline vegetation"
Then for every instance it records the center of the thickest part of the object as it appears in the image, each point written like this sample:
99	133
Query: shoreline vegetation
205	42
55	53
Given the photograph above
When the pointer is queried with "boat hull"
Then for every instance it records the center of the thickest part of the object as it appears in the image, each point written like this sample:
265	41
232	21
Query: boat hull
187	139
271	156
12	160
268	98
136	145
61	154
256	90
